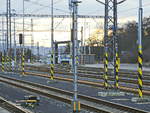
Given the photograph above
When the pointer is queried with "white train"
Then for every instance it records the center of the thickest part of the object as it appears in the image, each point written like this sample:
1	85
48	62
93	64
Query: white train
64	59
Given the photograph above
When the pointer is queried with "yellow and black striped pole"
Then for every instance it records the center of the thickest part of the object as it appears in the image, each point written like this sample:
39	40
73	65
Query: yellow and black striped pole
23	62
76	106
10	64
52	60
77	60
51	67
106	28
117	71
15	63
115	45
140	73
20	62
3	60
140	54
106	70
7	61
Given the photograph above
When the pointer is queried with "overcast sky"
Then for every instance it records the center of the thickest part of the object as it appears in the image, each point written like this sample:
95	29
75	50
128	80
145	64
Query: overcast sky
127	11
87	7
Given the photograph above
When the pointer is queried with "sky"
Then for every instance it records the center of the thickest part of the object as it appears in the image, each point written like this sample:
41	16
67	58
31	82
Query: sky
127	11
90	7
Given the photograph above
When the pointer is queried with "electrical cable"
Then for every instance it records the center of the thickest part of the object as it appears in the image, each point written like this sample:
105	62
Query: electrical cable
48	6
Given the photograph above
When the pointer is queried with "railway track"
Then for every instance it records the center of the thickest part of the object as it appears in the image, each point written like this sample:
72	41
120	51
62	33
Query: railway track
87	102
125	80
93	69
12	108
93	72
93	84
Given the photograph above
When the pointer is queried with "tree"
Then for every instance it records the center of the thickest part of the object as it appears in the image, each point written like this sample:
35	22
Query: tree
128	37
95	39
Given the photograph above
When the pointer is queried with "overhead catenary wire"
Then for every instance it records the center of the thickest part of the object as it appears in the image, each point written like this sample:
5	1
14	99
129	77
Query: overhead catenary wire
123	11
48	6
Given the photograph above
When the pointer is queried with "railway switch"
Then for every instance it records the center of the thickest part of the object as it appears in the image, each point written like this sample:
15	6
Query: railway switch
30	101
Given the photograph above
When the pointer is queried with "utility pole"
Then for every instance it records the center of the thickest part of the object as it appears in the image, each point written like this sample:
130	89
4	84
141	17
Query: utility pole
32	41
140	54
106	28
3	51
8	21
141	98
52	58
23	39
5	38
8	16
89	47
82	39
38	51
15	54
82	49
52	29
109	43
3	35
108	23
10	25
115	45
76	103
115	42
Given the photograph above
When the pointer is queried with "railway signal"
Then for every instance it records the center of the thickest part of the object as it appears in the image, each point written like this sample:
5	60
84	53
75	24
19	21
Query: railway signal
21	38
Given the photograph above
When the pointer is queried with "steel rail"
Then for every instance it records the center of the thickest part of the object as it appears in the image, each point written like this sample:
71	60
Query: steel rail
122	78
27	85
12	107
90	83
